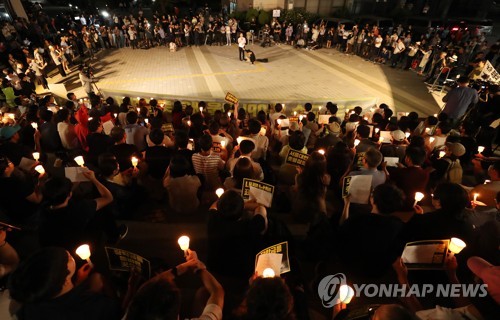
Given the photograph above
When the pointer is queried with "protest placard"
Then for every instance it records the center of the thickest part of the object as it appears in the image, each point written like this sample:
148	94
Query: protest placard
386	135
426	254
216	147
268	262
122	260
358	187
108	126
296	158
324	118
294	119
231	98
489	73
260	191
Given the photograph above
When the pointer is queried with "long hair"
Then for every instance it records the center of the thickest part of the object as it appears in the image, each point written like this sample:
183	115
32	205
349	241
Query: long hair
310	181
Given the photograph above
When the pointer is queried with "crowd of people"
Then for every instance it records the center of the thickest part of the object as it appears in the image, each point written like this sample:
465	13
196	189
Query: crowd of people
69	172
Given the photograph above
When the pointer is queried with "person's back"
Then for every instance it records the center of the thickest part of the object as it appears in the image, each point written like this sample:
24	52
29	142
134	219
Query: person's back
207	164
182	187
136	134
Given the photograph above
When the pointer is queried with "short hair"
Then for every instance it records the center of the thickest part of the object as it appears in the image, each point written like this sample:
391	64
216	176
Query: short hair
388	113
56	190
94	124
156	136
69	95
132	117
413	116
278	107
107	164
242	169
153	103
373	157
269	298
254	126
297	140
363	131
311	116
62	115
205	142
117	134
40	277
432	121
158	299
308	106
230	205
179	166
464	79
445	127
388	198
247	146
46	115
214	127
181	138
332	107
452	197
358	110
377	117
416	155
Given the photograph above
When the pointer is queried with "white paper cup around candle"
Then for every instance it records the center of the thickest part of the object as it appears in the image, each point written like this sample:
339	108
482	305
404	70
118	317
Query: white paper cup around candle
456	245
279	122
201	109
487	181
356	142
189	123
36	155
138	110
427	130
83	252
480	149
34	125
268	273
116	115
135	161
418	196
435	115
377	130
321	151
90	118
475	197
301	117
39	168
219	192
229	114
381	139
345	293
223	143
295	113
239	139
407	135
79	161
184	243
146	121
442	154
431	139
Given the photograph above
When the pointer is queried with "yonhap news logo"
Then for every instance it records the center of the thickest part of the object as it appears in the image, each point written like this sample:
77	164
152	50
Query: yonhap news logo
333	289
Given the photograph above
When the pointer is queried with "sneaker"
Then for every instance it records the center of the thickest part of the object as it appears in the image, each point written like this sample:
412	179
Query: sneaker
123	231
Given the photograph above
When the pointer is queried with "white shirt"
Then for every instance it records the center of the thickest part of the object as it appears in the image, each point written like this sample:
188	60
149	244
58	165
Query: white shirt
242	42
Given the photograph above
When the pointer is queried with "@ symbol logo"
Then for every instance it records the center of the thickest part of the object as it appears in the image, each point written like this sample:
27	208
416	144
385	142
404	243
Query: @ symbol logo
330	291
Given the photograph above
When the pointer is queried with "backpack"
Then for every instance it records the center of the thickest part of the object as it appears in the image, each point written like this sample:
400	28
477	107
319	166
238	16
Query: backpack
454	172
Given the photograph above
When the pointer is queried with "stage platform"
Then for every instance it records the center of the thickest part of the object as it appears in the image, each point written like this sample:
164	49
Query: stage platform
292	76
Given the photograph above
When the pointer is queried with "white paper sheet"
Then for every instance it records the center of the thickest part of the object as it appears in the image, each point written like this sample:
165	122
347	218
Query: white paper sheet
269	260
391	161
75	174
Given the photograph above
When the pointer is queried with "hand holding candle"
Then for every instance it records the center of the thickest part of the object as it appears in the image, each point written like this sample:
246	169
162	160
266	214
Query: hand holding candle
442	154
480	149
34	125
36	156
39	168
431	139
456	245
475	197
79	161
418	196
201	109
356	142
223	143
321	151
135	161
219	192
184	244
83	252
345	293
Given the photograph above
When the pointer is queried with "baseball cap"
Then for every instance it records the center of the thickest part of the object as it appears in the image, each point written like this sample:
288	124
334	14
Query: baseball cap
8	131
488	273
457	149
398	135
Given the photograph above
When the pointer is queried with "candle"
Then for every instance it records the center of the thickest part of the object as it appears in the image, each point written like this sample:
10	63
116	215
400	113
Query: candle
279	122
138	98
480	149
262	131
83	252
381	139
79	161
268	273
36	155
115	114
138	110
346	293
377	130
321	151
39	168
81	100
223	143
427	130
146	120
135	161
219	192
319	108
435	115
34	125
90	118
229	114
356	142
201	109
239	139
456	245
184	243
475	197
431	139
487	181
295	113
189	123
418	196
407	135
442	154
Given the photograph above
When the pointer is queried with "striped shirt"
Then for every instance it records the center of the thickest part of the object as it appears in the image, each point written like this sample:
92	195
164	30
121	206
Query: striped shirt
209	167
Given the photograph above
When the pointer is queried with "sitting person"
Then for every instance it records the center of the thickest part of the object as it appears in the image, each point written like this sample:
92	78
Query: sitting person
182	187
97	142
207	164
43	284
376	233
229	230
246	149
243	169
158	156
121	150
371	160
489	191
397	147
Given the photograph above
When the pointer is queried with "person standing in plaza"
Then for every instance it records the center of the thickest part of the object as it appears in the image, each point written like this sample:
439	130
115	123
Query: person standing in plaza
56	57
241	46
459	99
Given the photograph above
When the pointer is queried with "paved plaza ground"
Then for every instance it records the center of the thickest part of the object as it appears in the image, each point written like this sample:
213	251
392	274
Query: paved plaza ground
292	76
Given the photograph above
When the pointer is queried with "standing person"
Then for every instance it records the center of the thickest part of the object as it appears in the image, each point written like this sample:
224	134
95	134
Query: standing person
459	99
56	57
241	46
38	70
133	37
85	80
399	48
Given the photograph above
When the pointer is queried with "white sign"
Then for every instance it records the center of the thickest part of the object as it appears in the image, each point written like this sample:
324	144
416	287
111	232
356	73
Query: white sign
276	13
489	73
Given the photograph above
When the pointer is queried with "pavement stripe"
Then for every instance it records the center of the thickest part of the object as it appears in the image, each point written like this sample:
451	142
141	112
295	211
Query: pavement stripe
213	85
221	76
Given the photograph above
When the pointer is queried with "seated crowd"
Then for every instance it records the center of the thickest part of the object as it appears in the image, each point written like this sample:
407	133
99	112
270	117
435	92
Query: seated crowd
68	173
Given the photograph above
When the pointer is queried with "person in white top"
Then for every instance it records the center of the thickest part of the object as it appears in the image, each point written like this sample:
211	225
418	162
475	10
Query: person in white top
399	48
241	46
